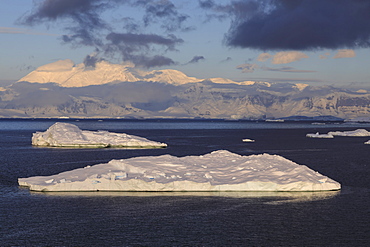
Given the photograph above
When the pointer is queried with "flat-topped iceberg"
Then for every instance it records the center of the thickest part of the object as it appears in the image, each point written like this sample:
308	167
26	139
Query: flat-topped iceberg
69	135
217	171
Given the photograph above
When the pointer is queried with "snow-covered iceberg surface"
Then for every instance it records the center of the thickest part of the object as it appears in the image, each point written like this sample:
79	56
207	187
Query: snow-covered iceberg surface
69	135
217	171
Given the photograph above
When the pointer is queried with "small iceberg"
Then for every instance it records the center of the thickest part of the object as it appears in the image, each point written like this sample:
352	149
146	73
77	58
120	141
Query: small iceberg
248	140
69	135
318	135
275	120
318	123
217	171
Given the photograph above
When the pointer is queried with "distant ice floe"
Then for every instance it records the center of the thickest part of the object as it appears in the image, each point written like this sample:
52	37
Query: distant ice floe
359	120
318	135
217	171
248	140
331	134
69	135
358	132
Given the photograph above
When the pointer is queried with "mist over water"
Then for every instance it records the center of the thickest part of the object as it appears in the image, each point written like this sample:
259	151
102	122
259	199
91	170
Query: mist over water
336	218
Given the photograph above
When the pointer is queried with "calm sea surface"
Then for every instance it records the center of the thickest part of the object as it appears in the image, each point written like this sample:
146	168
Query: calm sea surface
187	219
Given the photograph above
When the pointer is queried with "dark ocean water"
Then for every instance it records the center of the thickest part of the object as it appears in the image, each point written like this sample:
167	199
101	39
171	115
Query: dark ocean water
187	219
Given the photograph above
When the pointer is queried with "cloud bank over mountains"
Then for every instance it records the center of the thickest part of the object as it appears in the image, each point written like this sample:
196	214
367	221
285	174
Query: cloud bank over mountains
63	89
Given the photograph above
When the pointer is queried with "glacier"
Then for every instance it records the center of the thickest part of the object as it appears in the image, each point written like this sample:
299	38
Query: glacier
69	135
219	170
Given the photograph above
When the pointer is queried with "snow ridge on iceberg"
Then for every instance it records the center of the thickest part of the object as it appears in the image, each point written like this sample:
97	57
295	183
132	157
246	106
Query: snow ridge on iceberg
217	171
69	135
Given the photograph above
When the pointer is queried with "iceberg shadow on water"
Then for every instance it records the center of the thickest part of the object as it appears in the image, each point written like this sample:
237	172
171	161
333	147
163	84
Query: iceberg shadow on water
273	197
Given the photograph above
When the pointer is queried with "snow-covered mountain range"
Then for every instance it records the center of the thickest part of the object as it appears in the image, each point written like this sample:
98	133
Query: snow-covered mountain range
63	89
66	74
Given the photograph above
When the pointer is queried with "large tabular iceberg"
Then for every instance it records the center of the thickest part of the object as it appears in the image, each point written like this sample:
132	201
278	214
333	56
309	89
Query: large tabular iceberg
217	171
69	135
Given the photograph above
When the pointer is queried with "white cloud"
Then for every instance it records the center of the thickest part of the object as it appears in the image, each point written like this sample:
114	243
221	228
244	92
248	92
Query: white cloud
11	30
288	57
14	30
247	67
325	56
264	57
345	53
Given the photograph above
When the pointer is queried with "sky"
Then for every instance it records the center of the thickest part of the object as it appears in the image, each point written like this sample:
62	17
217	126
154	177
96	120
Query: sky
319	42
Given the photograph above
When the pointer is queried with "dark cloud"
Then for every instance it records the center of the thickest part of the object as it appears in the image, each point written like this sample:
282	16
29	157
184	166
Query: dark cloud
235	10
155	61
85	27
82	37
25	67
164	12
91	60
126	92
47	94
196	59
286	69
226	60
138	41
136	47
84	12
130	25
296	24
247	67
206	4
